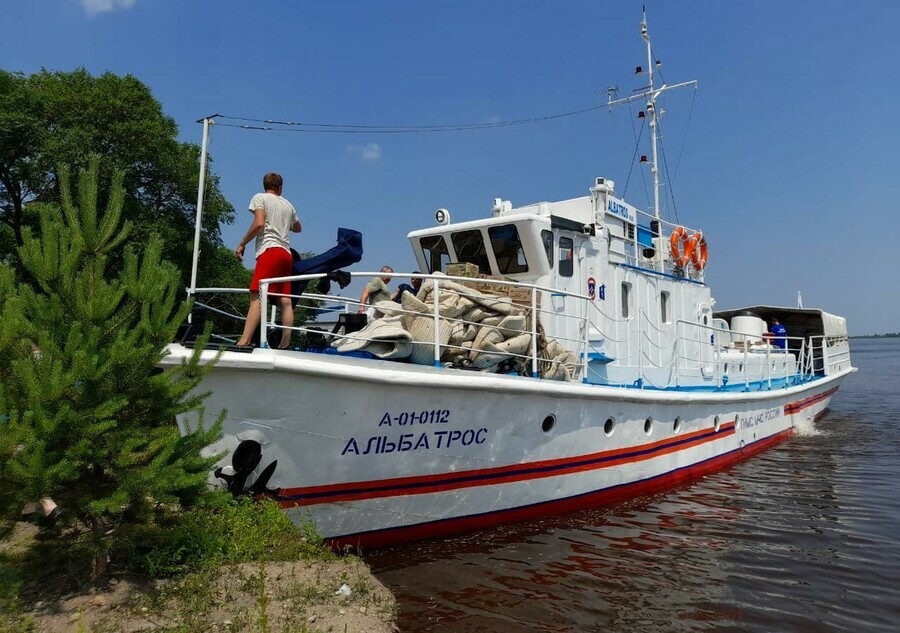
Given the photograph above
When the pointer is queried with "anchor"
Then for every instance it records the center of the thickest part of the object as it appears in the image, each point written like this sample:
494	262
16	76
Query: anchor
244	460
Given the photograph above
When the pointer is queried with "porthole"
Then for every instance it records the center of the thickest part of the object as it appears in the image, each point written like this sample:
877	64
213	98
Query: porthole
677	426
717	424
548	424
648	426
609	426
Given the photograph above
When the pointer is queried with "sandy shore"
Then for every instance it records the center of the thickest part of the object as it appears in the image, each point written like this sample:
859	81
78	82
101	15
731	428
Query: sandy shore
335	595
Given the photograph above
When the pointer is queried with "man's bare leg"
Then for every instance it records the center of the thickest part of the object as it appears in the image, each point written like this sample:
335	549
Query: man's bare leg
251	325
287	320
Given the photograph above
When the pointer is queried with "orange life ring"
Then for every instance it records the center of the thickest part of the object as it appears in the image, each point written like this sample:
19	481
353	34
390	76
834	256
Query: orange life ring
699	251
681	246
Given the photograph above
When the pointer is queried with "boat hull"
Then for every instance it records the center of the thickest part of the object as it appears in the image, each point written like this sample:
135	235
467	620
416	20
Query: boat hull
377	452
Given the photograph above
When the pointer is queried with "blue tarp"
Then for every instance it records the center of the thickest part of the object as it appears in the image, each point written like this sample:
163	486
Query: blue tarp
349	250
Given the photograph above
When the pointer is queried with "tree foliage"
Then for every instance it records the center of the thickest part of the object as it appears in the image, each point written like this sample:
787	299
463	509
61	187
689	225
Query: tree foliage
87	416
53	118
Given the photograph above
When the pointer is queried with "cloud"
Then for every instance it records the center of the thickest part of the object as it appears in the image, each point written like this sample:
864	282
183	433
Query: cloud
369	151
93	7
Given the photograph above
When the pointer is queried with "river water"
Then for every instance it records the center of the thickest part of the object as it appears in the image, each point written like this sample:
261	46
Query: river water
804	537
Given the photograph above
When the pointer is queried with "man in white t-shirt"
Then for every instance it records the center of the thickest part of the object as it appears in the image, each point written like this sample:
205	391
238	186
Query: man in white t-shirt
273	218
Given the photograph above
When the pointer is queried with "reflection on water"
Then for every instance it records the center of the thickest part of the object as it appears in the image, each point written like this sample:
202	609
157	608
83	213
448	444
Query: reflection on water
800	538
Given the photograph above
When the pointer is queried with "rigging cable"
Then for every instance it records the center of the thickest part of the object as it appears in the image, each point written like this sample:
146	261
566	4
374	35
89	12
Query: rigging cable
637	141
271	125
687	127
670	177
671	187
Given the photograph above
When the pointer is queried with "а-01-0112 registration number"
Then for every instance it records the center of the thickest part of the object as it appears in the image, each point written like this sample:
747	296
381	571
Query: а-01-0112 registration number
426	416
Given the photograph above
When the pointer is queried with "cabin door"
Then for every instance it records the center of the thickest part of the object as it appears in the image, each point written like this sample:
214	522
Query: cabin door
576	275
577	258
706	338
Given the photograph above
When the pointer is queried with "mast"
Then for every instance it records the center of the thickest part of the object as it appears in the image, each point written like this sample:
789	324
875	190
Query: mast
650	93
198	220
651	110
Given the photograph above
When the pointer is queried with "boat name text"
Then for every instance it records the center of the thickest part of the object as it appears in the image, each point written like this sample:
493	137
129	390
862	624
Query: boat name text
432	416
622	209
379	444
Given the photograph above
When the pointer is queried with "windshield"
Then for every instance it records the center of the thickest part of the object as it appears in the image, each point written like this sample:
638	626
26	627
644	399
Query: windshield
508	249
436	253
469	247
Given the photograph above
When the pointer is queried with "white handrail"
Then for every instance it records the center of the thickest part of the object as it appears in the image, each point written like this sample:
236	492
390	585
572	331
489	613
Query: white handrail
263	304
686	362
437	325
534	334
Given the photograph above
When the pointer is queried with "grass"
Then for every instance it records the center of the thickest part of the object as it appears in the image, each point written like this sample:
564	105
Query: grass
219	531
238	562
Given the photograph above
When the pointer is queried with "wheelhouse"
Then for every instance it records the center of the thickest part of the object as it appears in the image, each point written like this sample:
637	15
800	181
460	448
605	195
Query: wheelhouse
520	248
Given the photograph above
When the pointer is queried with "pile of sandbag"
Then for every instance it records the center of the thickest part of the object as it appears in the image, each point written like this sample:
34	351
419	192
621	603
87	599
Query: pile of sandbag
475	330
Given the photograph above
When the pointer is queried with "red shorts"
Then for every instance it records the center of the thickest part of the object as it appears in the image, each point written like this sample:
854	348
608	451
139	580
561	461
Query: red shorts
274	262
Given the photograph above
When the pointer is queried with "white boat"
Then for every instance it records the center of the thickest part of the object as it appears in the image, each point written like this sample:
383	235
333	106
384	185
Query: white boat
591	367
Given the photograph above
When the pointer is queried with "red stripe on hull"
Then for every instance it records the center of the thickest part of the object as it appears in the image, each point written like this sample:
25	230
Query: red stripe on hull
441	482
795	407
446	527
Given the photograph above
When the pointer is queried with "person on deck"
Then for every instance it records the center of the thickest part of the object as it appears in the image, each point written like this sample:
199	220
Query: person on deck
413	289
273	218
779	332
376	290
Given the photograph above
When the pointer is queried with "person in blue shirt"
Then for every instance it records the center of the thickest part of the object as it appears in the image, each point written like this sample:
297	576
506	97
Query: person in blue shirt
413	289
779	332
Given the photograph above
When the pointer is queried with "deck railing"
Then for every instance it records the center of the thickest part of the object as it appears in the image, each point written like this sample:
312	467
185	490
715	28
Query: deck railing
661	260
533	310
685	353
649	354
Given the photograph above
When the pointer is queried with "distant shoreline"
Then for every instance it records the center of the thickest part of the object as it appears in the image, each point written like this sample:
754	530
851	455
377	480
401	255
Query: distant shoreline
895	335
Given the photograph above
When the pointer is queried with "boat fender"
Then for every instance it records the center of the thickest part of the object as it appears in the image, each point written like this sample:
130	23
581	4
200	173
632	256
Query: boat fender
681	246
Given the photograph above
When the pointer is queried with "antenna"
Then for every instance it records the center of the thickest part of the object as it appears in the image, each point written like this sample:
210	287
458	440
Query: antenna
651	94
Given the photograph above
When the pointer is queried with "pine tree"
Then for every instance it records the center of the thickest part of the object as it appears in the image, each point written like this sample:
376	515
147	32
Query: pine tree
87	416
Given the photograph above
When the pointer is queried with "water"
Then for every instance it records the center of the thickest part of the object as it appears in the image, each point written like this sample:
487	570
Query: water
801	538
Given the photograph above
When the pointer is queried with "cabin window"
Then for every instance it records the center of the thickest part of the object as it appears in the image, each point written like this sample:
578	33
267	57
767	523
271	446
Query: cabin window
626	300
566	257
664	307
547	238
469	247
434	248
508	250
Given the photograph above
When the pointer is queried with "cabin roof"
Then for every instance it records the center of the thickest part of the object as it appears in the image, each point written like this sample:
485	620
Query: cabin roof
810	318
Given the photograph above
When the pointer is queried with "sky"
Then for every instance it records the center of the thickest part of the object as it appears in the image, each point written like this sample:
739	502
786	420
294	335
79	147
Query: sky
785	157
